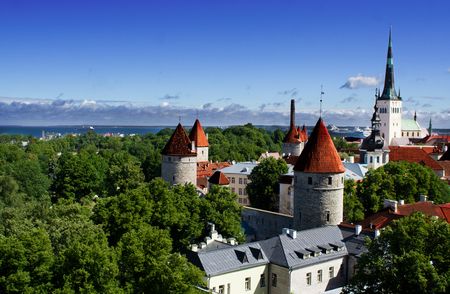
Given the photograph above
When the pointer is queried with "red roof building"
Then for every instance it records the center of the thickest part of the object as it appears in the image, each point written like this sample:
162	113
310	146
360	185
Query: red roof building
198	136
319	155
179	144
383	218
218	178
415	154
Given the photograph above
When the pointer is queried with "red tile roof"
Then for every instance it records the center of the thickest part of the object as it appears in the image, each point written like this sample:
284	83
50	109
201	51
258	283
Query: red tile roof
413	154
305	133
383	218
178	144
319	155
218	178
206	169
198	135
291	136
291	159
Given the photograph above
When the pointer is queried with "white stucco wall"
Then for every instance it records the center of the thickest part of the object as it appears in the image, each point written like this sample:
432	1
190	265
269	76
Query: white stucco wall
236	281
202	154
391	121
238	185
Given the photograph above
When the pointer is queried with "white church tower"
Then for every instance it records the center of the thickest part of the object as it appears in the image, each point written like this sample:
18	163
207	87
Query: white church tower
389	104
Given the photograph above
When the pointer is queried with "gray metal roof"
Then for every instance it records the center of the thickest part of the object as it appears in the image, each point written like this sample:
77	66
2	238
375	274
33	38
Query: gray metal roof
282	251
244	168
355	171
232	258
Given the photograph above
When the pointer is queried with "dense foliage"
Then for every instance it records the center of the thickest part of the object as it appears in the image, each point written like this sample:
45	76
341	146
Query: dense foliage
400	180
411	256
87	214
263	188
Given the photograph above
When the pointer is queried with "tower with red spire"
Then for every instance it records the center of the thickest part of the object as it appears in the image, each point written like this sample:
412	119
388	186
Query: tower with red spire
179	159
318	182
292	143
200	141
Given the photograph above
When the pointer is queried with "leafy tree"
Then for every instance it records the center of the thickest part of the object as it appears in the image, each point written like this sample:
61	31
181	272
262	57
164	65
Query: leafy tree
124	173
353	208
263	189
400	180
147	264
410	256
220	207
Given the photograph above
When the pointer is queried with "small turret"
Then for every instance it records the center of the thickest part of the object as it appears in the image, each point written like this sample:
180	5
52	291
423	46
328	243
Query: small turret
291	143
198	136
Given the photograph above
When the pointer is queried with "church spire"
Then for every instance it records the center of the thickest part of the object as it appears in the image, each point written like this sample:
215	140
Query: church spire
389	88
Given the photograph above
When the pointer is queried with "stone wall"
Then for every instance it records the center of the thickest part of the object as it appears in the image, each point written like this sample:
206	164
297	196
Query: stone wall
262	224
202	154
292	148
317	201
179	169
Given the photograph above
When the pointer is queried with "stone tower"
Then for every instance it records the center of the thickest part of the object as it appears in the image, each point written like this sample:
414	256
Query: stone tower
389	104
372	151
179	160
318	182
200	141
292	144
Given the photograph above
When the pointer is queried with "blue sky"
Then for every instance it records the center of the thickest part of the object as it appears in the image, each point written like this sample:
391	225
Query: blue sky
232	62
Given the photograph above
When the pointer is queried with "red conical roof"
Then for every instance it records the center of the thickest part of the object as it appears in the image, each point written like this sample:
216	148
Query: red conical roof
305	133
179	143
319	155
291	136
219	178
198	135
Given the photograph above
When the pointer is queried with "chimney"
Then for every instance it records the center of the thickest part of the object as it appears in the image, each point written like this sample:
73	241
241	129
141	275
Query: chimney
292	113
358	229
232	241
401	202
194	247
423	198
351	159
392	204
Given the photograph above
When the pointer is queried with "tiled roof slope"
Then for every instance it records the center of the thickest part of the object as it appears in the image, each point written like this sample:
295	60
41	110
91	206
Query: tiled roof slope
206	169
178	144
291	136
219	178
411	154
198	135
319	155
305	133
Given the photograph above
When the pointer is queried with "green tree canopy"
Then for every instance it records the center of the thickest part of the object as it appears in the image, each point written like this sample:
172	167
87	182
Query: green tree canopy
411	256
263	189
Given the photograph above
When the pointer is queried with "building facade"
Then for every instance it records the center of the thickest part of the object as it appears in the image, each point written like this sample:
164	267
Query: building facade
238	175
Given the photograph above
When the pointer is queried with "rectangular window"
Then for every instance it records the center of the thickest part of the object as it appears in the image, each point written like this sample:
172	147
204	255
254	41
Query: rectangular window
308	279
240	200
240	181
262	281
232	180
330	180
222	289
274	280
378	159
228	288
331	271
309	180
327	215
240	191
319	276
248	285
245	181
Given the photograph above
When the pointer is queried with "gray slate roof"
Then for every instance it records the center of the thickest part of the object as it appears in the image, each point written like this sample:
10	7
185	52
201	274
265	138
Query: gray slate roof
282	250
244	168
355	171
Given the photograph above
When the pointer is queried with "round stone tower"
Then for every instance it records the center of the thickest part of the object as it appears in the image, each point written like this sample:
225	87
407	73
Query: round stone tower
318	182
200	141
179	160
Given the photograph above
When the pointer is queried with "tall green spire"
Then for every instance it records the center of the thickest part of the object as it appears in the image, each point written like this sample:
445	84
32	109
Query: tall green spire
389	88
430	128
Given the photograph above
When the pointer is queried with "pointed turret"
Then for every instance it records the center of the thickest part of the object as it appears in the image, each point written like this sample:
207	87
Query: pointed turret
319	155
415	116
430	128
200	141
198	136
318	182
389	87
305	133
179	143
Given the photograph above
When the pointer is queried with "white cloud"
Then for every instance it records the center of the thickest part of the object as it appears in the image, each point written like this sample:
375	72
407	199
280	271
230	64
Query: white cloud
72	112
360	81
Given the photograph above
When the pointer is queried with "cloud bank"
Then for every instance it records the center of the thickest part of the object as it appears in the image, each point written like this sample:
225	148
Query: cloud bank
360	81
41	112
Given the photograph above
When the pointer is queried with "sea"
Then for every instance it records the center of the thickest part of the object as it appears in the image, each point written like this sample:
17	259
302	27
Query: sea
39	131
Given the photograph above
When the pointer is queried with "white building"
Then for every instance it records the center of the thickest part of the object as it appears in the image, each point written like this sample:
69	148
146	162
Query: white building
238	175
